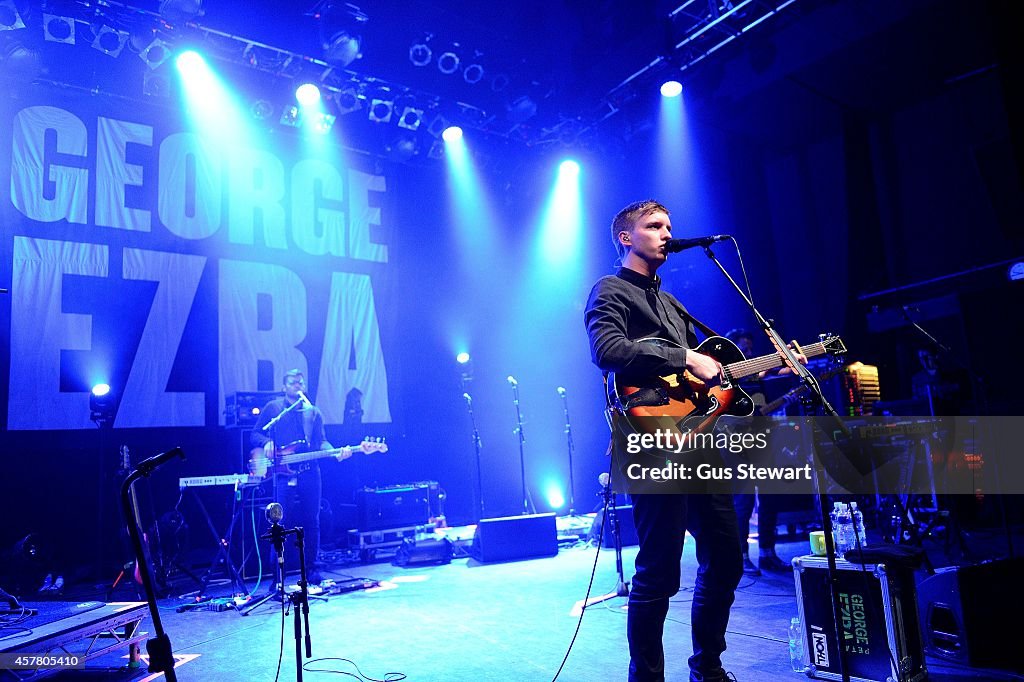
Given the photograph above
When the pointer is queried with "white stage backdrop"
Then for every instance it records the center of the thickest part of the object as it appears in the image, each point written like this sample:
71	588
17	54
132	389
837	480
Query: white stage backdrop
182	269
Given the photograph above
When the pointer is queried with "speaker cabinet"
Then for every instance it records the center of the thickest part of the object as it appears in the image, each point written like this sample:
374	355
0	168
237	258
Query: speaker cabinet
627	529
966	614
512	538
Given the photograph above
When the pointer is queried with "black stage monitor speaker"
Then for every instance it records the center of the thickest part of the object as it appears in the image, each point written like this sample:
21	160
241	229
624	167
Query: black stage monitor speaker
966	614
512	538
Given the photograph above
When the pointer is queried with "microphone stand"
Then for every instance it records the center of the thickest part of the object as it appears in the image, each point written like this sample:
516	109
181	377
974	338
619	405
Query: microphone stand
611	515
477	447
271	428
528	507
300	602
571	447
817	398
276	537
161	656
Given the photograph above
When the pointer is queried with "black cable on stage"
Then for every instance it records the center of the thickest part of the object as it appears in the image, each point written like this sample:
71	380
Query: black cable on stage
358	674
590	585
280	651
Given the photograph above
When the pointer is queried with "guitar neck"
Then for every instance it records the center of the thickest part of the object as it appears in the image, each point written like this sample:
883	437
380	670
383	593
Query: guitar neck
746	368
299	457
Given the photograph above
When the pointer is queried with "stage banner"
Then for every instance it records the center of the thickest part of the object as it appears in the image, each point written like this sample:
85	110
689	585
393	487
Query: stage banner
180	265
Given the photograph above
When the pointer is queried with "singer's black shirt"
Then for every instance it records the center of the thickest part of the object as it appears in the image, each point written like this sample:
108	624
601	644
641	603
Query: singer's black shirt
299	424
628	306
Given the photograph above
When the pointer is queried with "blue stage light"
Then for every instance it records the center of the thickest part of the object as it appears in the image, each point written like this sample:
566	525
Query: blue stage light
671	89
100	390
462	358
189	62
307	95
569	168
555	498
452	134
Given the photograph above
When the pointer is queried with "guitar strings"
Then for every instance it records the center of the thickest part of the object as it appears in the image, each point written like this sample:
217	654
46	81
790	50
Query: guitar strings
753	366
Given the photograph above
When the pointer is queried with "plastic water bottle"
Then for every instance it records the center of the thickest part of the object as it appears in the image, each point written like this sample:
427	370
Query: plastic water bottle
858	526
796	646
834	515
844	531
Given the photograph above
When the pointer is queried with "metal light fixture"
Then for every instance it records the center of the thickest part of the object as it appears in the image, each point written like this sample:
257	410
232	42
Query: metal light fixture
341	26
473	74
420	53
10	17
156	53
110	41
261	109
448	63
181	10
381	110
102	405
411	118
348	101
58	29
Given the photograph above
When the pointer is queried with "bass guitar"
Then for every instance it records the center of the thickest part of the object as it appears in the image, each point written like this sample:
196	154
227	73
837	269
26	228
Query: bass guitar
681	403
260	466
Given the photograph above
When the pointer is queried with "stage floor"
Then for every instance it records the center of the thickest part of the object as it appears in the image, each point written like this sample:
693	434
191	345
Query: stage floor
470	621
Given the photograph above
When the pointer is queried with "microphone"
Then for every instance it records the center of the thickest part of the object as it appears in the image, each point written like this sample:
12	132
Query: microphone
147	466
561	391
468	398
274	512
512	380
604	479
676	245
303	398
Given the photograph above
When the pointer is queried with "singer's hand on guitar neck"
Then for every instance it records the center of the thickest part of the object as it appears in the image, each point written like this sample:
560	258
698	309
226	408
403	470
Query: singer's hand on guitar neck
704	367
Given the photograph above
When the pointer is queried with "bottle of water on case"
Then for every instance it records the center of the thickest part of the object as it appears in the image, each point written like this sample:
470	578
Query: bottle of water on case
834	516
861	537
796	646
844	531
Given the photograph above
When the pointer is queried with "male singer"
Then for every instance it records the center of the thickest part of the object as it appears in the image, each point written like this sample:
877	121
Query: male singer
623	308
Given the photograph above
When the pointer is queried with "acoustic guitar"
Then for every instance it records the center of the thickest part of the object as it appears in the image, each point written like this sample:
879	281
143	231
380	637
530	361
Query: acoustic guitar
681	403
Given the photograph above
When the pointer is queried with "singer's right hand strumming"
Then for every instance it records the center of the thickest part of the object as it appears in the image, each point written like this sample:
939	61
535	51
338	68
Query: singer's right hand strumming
704	367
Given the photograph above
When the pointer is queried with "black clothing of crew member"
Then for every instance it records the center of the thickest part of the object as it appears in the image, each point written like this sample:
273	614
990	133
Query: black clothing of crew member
621	309
300	494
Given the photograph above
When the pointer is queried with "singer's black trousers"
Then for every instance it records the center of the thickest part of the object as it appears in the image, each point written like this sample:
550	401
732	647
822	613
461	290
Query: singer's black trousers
301	503
661	521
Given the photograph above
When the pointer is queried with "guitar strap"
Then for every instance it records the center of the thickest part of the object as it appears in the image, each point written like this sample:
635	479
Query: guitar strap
704	329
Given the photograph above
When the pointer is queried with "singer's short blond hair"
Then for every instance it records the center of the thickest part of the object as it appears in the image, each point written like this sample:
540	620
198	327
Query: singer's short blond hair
627	217
292	373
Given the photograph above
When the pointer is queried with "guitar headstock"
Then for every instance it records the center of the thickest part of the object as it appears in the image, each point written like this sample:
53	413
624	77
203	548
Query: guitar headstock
832	344
373	445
